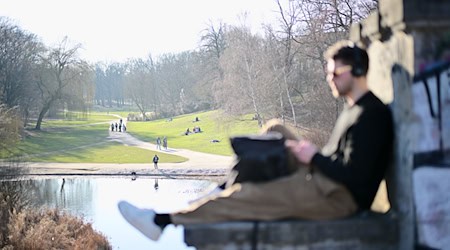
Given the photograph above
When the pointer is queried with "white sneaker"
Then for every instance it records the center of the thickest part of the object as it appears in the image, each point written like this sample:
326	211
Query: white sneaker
141	219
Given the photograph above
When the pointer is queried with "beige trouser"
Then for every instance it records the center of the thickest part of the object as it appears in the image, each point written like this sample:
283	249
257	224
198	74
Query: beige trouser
294	196
299	195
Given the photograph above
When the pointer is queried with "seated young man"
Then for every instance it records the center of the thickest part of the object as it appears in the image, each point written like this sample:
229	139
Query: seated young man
332	183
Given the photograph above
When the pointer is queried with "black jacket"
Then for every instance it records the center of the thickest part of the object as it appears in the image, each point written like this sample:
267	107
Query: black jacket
359	149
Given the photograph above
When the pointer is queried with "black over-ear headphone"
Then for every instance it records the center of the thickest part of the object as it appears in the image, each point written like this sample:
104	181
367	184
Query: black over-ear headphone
357	69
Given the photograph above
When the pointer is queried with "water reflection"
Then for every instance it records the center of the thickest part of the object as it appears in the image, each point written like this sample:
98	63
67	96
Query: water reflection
68	194
96	200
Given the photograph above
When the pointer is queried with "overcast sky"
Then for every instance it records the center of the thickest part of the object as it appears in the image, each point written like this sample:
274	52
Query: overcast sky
114	30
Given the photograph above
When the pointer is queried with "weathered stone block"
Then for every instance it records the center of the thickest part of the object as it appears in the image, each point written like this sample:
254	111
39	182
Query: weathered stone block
355	32
391	12
363	231
371	27
431	188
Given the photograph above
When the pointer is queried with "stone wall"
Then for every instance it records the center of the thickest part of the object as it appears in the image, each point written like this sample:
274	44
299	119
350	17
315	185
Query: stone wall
409	46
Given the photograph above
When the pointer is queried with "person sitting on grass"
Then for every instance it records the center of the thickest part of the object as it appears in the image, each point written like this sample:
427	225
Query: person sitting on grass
196	129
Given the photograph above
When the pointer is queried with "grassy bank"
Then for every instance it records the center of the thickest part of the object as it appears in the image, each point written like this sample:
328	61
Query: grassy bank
213	125
81	141
84	139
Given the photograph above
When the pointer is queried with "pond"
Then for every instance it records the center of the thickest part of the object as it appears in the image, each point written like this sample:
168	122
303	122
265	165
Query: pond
95	199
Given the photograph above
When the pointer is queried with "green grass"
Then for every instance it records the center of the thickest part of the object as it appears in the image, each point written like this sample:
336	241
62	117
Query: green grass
213	125
108	153
123	114
79	120
63	138
83	144
86	141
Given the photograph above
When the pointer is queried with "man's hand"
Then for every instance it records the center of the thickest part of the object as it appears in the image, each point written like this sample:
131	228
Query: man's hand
303	150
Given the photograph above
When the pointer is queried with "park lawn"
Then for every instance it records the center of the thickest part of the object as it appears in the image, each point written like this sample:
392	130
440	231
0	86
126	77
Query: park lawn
84	144
112	152
101	117
44	141
213	128
121	113
88	119
69	141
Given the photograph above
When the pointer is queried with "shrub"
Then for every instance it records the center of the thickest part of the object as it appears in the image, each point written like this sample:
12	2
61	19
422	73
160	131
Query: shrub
51	229
12	198
25	228
10	128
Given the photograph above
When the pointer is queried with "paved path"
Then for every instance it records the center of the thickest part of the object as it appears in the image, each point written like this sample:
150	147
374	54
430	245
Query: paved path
198	165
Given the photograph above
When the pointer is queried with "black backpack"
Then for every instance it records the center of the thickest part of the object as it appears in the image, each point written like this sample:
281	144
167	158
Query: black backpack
259	158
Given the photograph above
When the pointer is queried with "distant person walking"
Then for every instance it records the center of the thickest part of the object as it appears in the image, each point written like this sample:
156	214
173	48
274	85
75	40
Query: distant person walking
158	143
155	161
165	142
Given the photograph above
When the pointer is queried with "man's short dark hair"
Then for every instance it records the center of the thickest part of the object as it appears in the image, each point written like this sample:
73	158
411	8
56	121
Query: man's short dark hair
350	54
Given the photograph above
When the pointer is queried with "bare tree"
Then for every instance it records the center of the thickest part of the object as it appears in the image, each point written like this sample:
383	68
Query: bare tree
207	67
138	85
213	39
204	72
175	80
154	90
102	93
81	91
55	75
247	87
19	52
109	84
281	41
323	22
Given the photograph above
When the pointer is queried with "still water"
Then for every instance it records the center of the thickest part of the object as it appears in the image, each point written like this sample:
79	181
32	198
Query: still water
95	199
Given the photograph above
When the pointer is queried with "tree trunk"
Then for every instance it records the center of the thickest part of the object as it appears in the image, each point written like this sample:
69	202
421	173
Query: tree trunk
291	103
45	109
42	114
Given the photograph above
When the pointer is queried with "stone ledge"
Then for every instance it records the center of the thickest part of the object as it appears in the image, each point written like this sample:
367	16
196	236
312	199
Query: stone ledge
366	230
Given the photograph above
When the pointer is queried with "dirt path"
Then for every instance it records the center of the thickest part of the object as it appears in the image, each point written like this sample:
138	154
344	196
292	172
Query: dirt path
199	164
